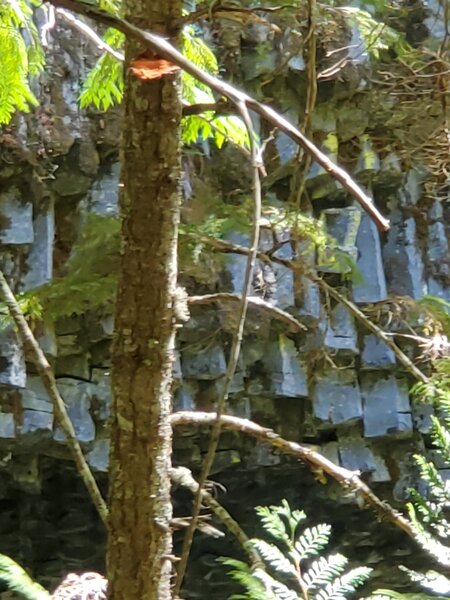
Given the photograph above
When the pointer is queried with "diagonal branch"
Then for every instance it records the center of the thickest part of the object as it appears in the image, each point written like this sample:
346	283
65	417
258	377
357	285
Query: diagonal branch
273	311
164	49
48	379
228	247
183	476
350	480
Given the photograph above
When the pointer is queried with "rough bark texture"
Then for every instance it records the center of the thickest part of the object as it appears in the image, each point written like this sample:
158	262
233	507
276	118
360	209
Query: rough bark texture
139	546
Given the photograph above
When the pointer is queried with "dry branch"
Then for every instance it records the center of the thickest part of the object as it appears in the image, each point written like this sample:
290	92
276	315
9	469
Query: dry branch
350	480
228	247
48	379
165	50
273	311
183	476
256	162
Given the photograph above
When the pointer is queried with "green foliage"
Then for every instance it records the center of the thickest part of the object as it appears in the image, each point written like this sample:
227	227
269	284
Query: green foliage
439	309
104	84
377	36
284	574
29	305
428	510
88	284
19	581
21	56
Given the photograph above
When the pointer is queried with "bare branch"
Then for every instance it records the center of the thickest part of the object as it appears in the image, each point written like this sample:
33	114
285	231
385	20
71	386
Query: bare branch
48	379
164	49
349	480
235	347
275	312
183	476
89	33
228	247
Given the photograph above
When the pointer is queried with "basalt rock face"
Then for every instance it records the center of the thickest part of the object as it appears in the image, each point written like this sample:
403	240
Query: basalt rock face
336	385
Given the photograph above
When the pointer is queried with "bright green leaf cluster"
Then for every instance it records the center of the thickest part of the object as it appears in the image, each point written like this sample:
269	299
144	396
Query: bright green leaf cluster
284	575
20	56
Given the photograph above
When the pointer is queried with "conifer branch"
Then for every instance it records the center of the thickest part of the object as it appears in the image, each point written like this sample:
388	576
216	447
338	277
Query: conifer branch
47	376
164	49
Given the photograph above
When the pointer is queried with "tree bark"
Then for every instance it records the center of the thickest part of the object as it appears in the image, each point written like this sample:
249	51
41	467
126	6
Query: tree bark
140	543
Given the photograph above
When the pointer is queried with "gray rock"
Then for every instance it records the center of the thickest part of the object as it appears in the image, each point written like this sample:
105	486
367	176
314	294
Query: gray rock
105	191
369	264
342	225
402	258
7	426
437	247
236	264
336	398
36	402
376	354
39	262
287	148
384	402
46	337
12	362
356	456
284	295
381	473
413	188
287	372
98	457
435	288
36	424
436	212
341	332
308	300
77	396
185	396
16	218
207	363
422	414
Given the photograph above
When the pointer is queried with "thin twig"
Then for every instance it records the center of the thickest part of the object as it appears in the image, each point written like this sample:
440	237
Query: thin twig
350	480
274	311
48	379
89	33
235	347
183	476
228	247
164	49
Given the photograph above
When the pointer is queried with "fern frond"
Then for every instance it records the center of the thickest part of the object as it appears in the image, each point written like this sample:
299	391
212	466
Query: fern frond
274	557
313	540
341	587
324	570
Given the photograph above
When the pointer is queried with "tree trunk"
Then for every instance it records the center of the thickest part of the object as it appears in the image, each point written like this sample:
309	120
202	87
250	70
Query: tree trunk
140	542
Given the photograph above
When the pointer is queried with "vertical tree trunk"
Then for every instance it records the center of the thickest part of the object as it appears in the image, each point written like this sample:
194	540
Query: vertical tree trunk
140	541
